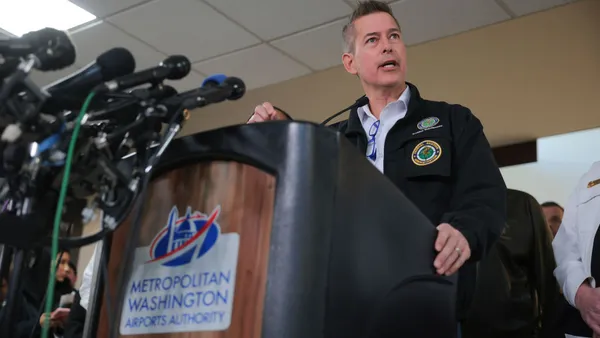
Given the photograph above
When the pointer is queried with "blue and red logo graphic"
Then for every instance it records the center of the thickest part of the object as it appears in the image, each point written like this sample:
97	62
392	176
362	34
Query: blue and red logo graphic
185	238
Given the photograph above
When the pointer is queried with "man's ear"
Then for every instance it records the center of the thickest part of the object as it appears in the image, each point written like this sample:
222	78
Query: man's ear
349	64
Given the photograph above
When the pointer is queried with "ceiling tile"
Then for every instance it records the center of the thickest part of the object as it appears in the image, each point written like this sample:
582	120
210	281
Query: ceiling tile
270	19
104	8
520	7
97	39
424	20
319	48
4	34
257	66
187	27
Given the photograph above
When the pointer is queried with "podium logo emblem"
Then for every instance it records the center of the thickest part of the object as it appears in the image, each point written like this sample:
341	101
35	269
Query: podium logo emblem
186	238
426	153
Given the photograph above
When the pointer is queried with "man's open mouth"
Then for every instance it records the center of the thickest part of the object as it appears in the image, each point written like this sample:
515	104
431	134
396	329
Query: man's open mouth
389	64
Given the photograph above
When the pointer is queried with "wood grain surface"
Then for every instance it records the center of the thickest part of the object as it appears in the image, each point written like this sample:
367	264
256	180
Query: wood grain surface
246	196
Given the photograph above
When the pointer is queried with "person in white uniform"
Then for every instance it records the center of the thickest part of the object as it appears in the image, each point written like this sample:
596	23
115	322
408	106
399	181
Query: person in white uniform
577	252
88	274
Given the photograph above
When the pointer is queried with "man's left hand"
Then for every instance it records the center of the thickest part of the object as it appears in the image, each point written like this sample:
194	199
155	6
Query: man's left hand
453	250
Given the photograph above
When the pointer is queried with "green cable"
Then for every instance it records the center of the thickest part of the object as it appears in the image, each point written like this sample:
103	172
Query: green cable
59	209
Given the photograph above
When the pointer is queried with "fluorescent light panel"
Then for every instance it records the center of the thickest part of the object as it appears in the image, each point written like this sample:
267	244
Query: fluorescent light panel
22	16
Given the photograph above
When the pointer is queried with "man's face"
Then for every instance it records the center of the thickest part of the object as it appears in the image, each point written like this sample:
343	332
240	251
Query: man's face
554	217
63	268
379	56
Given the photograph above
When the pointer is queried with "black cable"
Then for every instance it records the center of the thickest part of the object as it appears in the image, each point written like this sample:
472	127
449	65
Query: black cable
137	221
134	229
104	275
284	113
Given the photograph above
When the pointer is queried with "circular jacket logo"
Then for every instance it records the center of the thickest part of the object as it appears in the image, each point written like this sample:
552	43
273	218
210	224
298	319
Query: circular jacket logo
426	152
185	238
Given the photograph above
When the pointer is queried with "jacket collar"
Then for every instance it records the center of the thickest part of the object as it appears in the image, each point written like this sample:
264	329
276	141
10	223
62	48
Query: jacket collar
355	126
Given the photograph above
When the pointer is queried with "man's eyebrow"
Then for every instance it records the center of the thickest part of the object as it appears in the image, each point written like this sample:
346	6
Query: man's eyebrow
391	30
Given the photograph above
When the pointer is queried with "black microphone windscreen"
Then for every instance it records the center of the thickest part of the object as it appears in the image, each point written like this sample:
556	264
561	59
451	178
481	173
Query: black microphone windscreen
116	62
238	87
54	49
179	66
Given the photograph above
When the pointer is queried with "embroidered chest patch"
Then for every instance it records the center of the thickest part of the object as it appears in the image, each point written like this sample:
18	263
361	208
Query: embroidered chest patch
426	152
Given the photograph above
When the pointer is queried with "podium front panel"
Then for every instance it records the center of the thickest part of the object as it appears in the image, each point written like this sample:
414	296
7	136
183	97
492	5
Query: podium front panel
200	267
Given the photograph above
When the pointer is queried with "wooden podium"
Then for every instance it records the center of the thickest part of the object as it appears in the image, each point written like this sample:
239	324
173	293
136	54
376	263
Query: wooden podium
274	230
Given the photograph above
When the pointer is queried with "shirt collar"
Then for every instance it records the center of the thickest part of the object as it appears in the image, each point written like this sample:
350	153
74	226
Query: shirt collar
364	112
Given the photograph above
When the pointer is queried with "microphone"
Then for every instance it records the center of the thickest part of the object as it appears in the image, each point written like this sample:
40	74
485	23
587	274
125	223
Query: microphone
230	88
51	49
47	49
123	111
68	92
134	118
174	67
214	80
363	100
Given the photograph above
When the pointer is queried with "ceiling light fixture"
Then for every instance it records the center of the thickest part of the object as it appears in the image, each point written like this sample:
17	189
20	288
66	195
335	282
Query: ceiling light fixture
18	17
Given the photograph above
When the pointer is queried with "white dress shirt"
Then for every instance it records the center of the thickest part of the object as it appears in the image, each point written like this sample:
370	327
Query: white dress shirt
391	114
575	238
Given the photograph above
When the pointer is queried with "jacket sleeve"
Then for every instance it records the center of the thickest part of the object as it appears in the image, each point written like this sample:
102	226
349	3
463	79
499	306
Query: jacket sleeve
478	205
543	265
569	271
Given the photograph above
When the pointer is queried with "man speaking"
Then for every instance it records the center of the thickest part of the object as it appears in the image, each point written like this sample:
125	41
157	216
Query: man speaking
436	153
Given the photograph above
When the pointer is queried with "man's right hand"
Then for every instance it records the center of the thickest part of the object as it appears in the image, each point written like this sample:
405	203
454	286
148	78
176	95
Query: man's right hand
266	112
587	300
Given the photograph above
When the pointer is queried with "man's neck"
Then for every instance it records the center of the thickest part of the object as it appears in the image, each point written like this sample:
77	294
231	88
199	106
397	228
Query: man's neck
379	98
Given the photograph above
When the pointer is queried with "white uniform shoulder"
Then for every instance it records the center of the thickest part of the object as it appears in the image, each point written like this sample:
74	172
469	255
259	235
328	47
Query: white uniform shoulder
592	174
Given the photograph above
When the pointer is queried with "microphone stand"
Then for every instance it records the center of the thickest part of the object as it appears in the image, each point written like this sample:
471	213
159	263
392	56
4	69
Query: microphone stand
5	253
14	295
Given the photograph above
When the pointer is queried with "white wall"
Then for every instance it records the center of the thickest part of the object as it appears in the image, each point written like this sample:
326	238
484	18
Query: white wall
546	181
562	160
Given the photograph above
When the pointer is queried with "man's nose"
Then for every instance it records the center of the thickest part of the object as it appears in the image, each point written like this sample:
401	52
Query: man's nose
387	46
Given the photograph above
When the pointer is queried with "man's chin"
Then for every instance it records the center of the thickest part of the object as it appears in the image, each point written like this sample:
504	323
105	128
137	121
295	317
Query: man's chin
391	83
386	81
